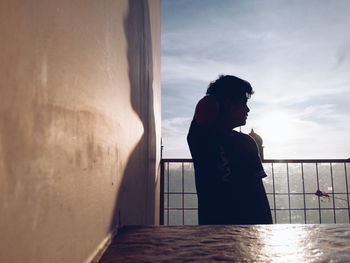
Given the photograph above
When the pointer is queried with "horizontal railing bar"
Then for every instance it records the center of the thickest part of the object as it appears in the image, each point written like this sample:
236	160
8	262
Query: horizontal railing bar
269	193
307	194
177	160
179	193
182	209
189	160
306	161
276	209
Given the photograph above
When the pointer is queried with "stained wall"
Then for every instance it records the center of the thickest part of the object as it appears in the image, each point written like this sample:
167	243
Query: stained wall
79	124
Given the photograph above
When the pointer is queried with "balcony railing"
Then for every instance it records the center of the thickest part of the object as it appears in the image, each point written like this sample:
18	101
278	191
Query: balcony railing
299	191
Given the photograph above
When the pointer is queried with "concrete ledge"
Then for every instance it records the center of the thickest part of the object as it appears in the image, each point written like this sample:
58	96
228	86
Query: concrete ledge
101	248
229	243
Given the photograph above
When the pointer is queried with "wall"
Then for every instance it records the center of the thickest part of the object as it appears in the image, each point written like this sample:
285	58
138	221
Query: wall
79	124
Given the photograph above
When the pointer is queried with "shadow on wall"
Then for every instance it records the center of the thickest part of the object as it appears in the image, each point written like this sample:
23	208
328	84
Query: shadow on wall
135	200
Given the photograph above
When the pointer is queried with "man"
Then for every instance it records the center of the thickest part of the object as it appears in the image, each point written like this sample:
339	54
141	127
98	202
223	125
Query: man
228	169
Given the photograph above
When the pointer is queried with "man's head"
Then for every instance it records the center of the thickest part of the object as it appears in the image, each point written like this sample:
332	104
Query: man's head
230	87
232	94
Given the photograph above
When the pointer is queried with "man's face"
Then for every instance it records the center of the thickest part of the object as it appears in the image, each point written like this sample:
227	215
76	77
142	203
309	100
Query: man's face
237	113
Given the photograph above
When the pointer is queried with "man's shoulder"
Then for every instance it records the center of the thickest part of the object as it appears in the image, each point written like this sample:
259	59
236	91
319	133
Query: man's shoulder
243	136
245	139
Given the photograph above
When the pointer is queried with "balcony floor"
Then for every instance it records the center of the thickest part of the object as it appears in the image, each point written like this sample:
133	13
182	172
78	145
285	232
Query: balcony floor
260	243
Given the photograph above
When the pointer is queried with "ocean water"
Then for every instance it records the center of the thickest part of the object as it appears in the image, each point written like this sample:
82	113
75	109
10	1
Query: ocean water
291	191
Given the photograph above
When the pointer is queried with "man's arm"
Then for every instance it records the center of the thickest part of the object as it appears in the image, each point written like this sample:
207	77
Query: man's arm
203	142
207	111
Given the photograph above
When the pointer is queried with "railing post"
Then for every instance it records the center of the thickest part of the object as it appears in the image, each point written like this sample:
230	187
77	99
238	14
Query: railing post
161	206
333	197
319	199
289	203
304	196
274	193
347	190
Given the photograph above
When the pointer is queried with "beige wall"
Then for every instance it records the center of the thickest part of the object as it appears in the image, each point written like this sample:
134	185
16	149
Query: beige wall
79	124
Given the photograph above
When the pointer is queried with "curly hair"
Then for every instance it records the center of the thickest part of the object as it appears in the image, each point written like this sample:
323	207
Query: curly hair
230	87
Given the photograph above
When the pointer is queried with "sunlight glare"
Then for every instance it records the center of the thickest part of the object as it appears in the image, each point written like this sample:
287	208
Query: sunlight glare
286	244
277	126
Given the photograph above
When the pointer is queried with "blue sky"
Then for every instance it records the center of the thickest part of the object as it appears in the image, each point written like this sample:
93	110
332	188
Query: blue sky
296	55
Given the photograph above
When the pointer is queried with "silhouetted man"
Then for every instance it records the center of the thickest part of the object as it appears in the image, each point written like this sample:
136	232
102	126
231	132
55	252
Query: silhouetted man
228	169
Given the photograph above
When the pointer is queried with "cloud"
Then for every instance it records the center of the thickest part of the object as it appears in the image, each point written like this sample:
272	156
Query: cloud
342	56
199	69
174	126
174	133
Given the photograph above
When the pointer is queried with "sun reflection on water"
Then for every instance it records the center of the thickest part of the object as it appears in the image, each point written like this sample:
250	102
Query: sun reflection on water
285	244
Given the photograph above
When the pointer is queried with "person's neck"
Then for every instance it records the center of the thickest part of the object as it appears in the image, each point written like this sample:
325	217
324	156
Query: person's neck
223	128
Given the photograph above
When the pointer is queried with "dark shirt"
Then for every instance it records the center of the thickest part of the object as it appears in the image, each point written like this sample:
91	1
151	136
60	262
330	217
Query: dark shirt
228	176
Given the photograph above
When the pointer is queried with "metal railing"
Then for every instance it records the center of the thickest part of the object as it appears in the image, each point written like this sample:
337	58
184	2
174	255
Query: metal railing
299	191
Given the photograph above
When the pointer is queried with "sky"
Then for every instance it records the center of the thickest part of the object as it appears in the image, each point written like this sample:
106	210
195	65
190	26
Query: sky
295	54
